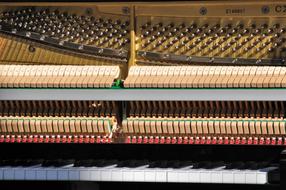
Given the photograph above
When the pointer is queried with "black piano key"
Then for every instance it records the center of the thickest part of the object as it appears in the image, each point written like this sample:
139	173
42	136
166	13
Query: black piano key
106	163
165	164
198	165
137	163
158	164
208	164
33	162
251	165
57	162
6	162
261	165
176	164
185	164
235	165
212	165
181	164
85	163
122	163
274	176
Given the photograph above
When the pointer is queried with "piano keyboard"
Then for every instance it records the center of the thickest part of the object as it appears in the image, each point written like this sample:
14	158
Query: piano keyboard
140	171
206	77
53	76
127	46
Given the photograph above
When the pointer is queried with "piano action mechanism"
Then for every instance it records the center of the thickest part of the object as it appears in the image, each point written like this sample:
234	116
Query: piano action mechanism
144	47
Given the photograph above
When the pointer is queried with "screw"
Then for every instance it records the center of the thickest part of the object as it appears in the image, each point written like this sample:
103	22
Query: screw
32	49
125	10
265	9
203	11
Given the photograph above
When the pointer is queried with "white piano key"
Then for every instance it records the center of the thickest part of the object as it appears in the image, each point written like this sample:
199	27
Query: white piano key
138	173
205	176
106	172
139	176
84	174
150	175
161	175
250	177
262	175
183	174
52	173
228	176
63	175
183	177
116	174
8	173
106	175
194	176
74	174
127	174
63	172
95	174
261	178
179	175
30	173
41	173
239	177
19	173
1	173
172	176
216	175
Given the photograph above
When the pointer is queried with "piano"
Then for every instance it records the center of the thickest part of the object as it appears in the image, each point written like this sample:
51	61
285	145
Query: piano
138	95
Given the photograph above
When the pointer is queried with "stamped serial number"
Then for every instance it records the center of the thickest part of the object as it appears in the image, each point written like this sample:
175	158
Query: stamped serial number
234	11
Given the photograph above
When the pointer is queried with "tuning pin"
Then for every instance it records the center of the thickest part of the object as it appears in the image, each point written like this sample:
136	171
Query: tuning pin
125	41
22	12
264	26
282	30
240	26
276	26
205	26
146	25
124	25
204	35
223	30
168	46
253	26
199	30
270	49
193	26
174	30
181	26
157	26
276	35
146	33
270	30
234	30
256	31
246	49
171	25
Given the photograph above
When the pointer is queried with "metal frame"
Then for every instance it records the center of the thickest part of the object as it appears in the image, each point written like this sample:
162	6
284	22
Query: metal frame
145	94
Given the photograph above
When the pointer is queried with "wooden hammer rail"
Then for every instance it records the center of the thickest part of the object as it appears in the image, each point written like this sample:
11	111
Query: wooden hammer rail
57	125
53	76
204	126
206	77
